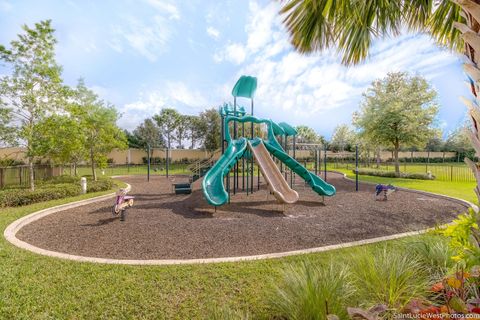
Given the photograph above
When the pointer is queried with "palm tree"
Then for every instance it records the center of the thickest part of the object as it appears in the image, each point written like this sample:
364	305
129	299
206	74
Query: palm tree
351	25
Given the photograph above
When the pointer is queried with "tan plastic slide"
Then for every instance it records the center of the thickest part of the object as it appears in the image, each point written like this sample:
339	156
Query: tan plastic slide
277	184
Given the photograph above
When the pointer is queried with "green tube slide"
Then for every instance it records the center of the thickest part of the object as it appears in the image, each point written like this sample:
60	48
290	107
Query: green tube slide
316	183
212	184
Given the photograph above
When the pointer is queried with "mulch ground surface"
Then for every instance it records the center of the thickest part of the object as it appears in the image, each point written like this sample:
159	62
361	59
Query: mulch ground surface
162	225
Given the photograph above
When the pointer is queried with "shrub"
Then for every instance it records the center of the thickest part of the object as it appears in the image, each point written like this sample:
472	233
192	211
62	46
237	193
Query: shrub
464	238
392	174
60	179
100	185
23	197
306	292
388	276
51	189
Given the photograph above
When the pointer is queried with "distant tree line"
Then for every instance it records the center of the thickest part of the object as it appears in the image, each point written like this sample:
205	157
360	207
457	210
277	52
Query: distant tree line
174	130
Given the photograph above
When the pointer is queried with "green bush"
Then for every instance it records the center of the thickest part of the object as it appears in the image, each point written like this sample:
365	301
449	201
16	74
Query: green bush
100	185
60	179
51	189
392	174
306	292
23	197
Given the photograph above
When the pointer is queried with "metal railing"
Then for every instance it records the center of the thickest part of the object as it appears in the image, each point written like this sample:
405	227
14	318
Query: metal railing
20	175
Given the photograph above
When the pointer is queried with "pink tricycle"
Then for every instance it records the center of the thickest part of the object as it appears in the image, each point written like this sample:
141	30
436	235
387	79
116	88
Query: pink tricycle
122	203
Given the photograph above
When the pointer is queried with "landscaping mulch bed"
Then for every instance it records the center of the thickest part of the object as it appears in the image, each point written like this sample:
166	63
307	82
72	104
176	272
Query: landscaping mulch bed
162	225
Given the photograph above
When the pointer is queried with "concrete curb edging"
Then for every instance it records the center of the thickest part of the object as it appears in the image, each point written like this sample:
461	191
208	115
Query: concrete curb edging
11	231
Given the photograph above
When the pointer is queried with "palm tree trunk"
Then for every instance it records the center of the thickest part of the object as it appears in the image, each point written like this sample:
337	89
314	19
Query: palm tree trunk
471	37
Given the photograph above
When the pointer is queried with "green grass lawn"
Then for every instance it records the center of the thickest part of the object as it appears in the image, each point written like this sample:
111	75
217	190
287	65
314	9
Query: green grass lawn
38	287
461	190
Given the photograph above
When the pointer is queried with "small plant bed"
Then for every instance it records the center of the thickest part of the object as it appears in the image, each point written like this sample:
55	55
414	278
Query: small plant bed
163	226
392	174
51	189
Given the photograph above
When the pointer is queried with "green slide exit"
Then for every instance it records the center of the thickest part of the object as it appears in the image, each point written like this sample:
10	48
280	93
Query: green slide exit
316	183
212	184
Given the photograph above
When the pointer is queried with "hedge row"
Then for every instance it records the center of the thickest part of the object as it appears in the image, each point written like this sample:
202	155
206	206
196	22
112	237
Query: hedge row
392	174
51	189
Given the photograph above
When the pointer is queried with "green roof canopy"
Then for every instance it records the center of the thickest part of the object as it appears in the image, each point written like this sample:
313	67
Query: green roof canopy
288	129
245	87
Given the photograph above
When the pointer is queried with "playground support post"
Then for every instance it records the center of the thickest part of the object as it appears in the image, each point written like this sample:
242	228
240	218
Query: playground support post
243	160
235	166
248	169
356	167
286	151
251	137
148	162
291	171
223	134
167	160
316	161
325	162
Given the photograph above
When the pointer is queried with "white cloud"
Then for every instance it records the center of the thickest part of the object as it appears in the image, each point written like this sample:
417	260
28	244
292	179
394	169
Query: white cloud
179	92
233	52
149	35
165	7
213	32
172	94
148	38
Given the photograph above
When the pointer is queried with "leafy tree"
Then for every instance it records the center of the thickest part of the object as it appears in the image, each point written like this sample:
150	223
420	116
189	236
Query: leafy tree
343	138
397	111
213	133
132	140
168	120
7	130
98	123
62	140
306	134
182	129
435	143
458	140
33	90
196	130
148	134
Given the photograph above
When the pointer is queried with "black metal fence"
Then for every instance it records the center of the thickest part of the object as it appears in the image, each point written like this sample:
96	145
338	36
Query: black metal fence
20	175
448	171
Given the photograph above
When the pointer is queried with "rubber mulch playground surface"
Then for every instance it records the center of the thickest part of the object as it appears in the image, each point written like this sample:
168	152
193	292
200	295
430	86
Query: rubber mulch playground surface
162	225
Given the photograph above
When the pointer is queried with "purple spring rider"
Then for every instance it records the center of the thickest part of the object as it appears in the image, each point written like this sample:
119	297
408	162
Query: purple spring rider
122	203
385	189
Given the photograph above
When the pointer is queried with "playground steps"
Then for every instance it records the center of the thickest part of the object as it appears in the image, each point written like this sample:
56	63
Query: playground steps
182	188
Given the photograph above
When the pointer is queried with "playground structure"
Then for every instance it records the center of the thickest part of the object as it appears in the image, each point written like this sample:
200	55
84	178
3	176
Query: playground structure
217	183
122	203
385	190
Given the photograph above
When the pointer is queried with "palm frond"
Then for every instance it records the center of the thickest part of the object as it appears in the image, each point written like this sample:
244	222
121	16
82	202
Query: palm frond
441	27
351	25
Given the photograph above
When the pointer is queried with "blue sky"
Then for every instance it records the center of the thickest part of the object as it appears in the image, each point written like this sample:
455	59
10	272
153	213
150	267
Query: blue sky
144	55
